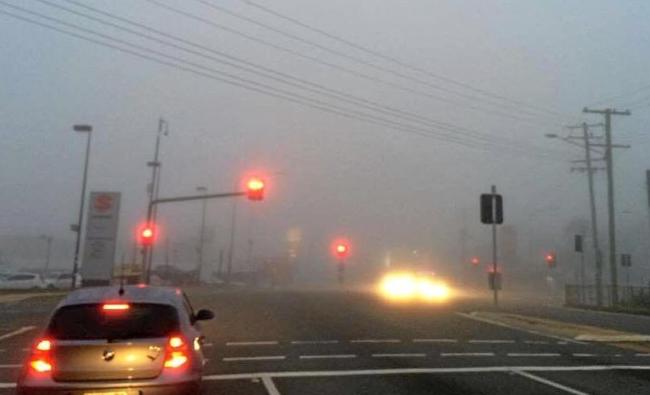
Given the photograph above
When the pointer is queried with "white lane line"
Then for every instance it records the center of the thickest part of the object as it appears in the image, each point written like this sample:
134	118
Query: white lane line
301	342
534	332
487	341
466	354
17	332
402	355
329	356
533	354
435	341
255	343
402	371
549	383
375	341
535	342
208	345
10	366
583	355
260	358
642	355
269	385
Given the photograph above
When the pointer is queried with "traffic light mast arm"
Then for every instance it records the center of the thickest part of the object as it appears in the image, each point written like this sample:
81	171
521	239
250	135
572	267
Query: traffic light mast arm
197	197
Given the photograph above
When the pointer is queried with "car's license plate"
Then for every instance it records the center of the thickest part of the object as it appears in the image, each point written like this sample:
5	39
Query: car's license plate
113	392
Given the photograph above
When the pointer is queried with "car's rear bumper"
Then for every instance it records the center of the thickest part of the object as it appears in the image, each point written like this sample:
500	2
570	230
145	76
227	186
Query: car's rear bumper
186	388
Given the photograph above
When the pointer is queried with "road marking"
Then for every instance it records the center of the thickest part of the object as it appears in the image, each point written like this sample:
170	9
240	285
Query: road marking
642	355
533	354
402	355
535	342
270	385
17	332
581	354
10	366
208	345
299	342
466	354
328	356
401	371
375	341
563	343
479	341
635	338
435	341
261	358
549	382
256	343
497	323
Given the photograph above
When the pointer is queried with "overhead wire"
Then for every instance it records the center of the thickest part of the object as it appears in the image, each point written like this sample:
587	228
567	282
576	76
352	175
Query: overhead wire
387	110
243	83
489	111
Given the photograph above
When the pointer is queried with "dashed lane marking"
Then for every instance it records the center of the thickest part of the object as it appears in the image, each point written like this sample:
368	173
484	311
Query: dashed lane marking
301	342
10	366
549	383
402	355
375	341
254	343
435	340
487	341
259	358
466	354
583	355
533	354
536	342
642	355
17	332
329	356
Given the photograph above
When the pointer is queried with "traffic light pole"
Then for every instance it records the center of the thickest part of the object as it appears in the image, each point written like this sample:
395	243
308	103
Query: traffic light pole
341	271
155	202
494	248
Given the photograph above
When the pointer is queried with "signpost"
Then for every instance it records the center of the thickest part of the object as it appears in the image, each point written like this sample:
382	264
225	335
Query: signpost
492	213
626	262
577	242
100	240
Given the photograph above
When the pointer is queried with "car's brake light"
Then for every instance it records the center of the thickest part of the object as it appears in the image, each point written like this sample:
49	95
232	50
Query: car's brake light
176	353
115	306
40	361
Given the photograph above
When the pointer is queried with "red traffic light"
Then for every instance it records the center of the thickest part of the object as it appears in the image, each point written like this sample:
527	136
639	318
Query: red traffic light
255	189
147	235
341	249
475	261
550	259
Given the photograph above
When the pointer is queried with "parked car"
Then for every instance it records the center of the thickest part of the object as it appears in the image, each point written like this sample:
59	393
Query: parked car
62	281
112	340
23	281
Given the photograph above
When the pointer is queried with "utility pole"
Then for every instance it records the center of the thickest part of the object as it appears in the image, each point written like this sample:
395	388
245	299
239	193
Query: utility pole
231	245
592	206
608	112
147	251
494	247
204	190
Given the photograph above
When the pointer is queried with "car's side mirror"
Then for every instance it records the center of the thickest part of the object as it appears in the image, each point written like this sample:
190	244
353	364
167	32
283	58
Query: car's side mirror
203	315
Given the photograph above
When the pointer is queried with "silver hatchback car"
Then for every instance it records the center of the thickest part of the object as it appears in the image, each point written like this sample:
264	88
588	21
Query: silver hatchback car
135	340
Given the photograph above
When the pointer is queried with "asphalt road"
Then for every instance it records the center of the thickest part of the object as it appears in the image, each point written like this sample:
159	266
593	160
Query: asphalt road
282	342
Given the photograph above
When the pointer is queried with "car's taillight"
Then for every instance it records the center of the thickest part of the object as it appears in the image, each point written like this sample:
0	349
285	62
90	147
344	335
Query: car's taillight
176	355
40	360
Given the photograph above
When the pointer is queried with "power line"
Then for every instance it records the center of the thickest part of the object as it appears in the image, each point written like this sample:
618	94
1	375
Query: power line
622	95
243	83
396	60
351	71
328	92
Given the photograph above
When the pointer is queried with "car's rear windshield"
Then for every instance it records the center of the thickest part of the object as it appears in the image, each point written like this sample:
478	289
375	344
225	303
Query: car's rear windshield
92	321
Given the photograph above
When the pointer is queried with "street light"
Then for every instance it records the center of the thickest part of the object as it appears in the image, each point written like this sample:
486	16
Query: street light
204	190
75	266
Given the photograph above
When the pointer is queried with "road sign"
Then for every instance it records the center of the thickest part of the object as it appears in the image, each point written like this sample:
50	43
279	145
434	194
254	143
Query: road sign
100	240
626	260
578	243
491	208
494	280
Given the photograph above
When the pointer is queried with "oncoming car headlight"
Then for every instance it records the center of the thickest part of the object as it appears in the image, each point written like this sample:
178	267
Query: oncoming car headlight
404	287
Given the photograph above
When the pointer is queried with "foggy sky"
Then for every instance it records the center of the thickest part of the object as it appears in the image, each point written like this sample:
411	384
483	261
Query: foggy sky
328	175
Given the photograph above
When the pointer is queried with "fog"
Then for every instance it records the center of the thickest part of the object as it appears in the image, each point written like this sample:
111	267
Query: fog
385	189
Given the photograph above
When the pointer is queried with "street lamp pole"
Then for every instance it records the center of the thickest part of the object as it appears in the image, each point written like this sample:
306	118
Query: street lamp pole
204	190
75	266
48	240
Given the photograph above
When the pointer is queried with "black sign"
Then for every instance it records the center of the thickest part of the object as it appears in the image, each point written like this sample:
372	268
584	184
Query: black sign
578	243
626	260
491	208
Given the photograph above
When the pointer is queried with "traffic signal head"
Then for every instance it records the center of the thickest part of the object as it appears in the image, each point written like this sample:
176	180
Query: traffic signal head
550	259
147	234
341	249
475	261
255	189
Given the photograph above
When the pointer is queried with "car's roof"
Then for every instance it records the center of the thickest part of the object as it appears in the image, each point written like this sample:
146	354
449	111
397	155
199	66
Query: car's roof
132	294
